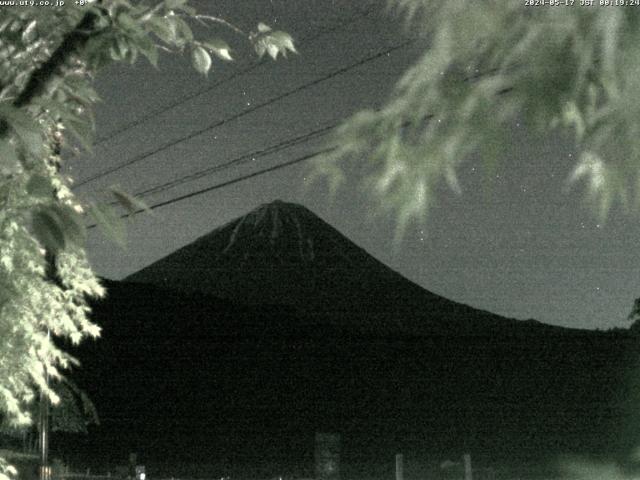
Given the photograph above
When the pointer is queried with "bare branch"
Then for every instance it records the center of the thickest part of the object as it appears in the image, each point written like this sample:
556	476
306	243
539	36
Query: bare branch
222	22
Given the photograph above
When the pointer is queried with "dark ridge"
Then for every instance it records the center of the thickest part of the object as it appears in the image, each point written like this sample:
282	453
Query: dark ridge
193	379
282	253
225	357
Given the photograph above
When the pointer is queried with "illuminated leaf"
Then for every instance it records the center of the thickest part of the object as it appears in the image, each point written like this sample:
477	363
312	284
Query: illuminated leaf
262	28
109	222
220	48
164	28
201	60
129	202
29	33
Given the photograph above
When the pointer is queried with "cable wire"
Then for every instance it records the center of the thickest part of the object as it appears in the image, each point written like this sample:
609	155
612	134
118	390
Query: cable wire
217	186
242	159
99	141
219	123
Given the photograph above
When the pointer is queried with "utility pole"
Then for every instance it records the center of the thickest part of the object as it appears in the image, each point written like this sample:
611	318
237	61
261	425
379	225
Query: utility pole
399	466
45	472
468	472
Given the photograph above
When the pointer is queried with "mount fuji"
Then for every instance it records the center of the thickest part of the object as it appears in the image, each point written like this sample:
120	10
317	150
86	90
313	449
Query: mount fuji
282	253
235	349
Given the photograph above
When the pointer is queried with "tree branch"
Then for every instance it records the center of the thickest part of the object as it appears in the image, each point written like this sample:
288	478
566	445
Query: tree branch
41	76
222	22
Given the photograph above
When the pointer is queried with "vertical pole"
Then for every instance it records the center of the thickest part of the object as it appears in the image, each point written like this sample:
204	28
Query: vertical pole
399	466
44	428
327	456
468	473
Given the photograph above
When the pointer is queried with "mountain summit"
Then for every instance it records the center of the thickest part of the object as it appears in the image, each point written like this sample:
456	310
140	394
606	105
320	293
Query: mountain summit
282	253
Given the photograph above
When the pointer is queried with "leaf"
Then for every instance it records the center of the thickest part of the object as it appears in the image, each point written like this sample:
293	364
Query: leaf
201	60
164	29
262	28
272	50
56	226
260	48
127	22
80	89
39	186
119	49
283	41
109	222
148	49
81	128
25	128
71	223
273	43
29	33
183	31
219	48
48	231
129	202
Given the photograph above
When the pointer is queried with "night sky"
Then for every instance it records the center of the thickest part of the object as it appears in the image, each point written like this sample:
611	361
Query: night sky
515	243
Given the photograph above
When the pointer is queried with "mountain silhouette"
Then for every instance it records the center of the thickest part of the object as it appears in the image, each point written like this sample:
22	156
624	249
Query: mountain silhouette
225	358
282	253
204	387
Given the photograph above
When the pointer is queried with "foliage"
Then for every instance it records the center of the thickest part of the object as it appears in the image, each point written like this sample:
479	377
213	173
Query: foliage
6	471
48	57
73	414
564	67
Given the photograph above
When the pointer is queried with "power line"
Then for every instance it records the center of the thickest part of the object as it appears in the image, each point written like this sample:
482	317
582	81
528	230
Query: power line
246	112
186	98
244	158
242	178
